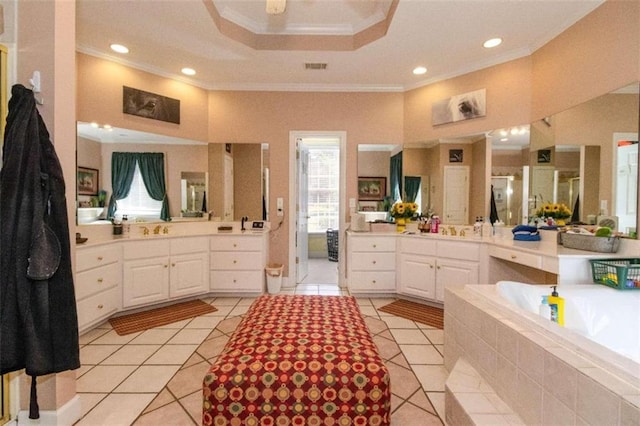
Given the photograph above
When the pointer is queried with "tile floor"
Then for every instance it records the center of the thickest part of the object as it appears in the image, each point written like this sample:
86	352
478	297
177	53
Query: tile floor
155	377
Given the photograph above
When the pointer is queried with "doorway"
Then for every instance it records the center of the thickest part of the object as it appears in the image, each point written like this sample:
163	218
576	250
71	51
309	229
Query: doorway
317	188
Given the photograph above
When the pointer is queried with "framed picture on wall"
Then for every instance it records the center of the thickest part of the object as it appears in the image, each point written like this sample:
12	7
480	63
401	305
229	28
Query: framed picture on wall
544	156
455	156
372	188
87	181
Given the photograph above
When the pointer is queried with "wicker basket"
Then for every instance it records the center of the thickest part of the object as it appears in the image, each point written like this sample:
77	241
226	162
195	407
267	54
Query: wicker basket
621	274
590	242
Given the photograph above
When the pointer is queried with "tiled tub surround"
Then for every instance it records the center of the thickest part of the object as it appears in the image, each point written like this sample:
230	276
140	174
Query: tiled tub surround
545	374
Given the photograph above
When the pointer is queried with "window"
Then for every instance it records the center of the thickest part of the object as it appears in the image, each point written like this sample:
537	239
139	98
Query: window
324	180
138	204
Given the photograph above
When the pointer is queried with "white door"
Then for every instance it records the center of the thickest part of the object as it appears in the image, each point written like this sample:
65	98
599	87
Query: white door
302	214
228	188
542	185
456	194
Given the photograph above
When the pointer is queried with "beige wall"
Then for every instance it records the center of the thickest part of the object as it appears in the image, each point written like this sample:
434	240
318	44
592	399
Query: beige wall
575	66
508	102
371	118
46	43
99	85
597	55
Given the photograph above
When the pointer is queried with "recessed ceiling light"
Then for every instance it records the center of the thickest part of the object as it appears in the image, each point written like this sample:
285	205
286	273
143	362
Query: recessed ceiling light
419	70
504	139
119	48
188	71
493	42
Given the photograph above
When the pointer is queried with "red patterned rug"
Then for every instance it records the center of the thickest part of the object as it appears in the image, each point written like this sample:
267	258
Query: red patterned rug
418	312
141	321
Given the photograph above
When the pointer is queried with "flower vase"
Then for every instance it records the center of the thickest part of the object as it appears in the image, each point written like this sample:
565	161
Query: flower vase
401	223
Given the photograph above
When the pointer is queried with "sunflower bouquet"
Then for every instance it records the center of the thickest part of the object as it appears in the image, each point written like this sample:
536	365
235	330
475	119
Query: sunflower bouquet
554	211
403	210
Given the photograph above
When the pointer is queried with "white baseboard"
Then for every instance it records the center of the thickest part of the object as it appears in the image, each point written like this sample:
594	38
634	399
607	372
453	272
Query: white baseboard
66	415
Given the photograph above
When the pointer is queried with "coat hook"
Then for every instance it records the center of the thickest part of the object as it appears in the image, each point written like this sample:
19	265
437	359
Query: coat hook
35	87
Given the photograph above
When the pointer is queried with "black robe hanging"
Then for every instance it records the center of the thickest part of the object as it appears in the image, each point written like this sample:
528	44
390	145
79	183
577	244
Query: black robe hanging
38	319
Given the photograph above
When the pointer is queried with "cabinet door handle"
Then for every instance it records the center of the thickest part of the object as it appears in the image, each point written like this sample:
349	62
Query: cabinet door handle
100	280
100	306
375	245
513	256
431	266
166	266
173	264
374	262
438	267
373	282
99	258
234	281
235	245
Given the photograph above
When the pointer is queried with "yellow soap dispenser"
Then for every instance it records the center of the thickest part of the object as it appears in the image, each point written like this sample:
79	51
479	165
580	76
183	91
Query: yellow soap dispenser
556	303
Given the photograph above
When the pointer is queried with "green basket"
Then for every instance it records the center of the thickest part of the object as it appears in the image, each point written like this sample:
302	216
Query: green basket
621	274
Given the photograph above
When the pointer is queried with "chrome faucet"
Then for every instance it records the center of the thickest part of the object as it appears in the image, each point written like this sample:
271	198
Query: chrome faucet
156	230
452	231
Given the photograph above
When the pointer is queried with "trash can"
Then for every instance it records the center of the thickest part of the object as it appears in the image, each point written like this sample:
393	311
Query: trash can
274	277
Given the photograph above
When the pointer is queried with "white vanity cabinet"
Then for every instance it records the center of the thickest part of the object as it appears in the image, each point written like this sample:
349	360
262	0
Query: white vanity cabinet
157	270
371	263
98	283
417	267
238	263
427	265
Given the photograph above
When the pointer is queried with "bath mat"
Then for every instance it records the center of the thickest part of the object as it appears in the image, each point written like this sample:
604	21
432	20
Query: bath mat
417	312
141	321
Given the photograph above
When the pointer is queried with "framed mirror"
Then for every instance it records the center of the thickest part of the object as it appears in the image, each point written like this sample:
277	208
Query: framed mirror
193	184
604	131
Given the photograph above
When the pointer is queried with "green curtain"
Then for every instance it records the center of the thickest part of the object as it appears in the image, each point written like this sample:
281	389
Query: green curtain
152	170
395	177
411	187
123	166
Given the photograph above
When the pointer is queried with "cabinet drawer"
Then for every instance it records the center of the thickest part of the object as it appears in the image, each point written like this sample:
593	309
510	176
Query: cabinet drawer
372	281
373	244
236	243
96	280
98	306
146	249
373	261
221	260
87	258
412	245
186	245
459	250
237	281
516	256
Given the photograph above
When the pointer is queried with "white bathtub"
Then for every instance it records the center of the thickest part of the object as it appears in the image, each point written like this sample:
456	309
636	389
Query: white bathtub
607	316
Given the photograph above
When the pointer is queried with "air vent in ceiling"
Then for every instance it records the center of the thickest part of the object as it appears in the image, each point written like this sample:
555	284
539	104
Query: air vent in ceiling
315	66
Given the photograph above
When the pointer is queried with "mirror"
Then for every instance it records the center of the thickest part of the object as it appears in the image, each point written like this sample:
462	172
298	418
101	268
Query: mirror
604	133
193	194
374	180
509	172
194	184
